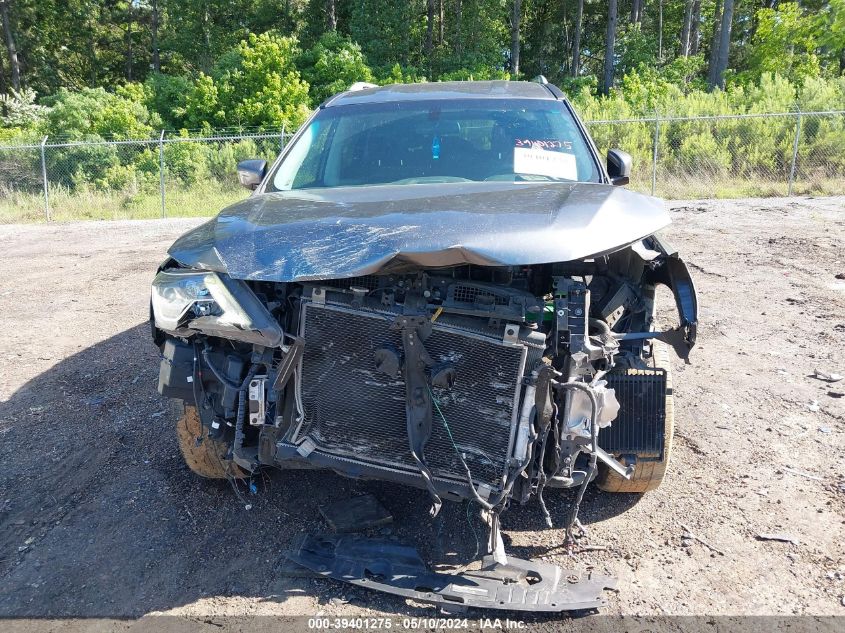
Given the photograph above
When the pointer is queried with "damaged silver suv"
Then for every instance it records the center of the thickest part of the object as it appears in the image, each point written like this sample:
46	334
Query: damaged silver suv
439	285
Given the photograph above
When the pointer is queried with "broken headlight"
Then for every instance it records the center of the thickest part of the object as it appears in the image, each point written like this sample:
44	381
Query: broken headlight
175	293
186	301
180	296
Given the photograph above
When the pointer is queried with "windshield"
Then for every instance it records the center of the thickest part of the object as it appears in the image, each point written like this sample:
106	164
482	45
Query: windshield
437	141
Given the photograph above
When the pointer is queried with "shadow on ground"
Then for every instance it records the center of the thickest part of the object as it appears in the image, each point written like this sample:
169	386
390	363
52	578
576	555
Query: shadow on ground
99	516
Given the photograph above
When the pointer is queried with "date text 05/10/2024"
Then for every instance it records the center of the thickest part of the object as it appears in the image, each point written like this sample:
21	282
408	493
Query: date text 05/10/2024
412	624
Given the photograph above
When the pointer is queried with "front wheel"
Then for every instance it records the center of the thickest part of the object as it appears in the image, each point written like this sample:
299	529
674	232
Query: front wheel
205	456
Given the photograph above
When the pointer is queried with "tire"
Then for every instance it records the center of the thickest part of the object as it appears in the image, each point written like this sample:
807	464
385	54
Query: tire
647	475
204	456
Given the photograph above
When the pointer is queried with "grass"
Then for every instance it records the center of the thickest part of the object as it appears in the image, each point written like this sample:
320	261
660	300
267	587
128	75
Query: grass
701	186
65	206
207	199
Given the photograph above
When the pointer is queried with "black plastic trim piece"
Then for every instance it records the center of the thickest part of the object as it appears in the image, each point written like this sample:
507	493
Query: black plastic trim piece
390	567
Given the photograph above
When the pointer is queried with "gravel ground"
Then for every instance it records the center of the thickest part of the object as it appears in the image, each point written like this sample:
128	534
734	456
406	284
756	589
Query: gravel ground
99	516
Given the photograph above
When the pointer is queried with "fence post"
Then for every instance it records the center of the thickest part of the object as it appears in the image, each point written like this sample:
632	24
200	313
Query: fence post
161	172
44	179
282	138
654	153
794	152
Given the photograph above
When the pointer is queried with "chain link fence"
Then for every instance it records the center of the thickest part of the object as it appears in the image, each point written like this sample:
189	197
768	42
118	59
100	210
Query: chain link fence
729	156
169	176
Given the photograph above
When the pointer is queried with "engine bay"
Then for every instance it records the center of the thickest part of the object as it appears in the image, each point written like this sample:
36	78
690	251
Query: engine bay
472	382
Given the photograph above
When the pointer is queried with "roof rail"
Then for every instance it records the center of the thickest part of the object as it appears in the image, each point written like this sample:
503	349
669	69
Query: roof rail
361	85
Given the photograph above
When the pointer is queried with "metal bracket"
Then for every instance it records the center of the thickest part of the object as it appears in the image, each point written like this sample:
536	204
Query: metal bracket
615	307
293	354
495	543
418	405
318	295
511	336
614	464
257	398
484	491
307	447
358	296
388	298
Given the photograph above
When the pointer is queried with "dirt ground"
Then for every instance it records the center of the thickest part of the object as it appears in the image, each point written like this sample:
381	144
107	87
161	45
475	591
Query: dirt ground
99	516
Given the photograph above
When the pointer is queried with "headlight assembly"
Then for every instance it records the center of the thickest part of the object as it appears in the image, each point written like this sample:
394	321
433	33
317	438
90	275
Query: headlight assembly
185	302
175	293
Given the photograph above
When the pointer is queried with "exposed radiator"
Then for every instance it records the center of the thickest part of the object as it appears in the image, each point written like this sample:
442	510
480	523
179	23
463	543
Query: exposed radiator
354	411
638	429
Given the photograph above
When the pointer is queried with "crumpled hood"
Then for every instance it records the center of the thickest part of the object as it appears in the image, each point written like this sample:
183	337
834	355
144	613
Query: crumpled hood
350	231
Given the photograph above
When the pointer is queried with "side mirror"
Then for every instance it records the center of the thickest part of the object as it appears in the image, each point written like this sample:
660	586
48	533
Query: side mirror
618	167
252	172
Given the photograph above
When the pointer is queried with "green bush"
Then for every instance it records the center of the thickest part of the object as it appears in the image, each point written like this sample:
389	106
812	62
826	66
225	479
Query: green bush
19	111
703	153
201	107
165	95
80	164
397	74
755	150
126	179
332	65
93	112
223	161
147	161
187	162
821	146
258	85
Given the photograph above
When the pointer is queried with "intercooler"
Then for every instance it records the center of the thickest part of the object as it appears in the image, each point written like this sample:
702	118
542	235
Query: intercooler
354	412
639	427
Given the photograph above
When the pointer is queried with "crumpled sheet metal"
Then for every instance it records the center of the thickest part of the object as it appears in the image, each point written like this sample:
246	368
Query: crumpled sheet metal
397	569
352	231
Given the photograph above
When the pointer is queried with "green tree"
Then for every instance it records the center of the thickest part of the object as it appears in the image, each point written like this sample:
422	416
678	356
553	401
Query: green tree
332	65
389	32
93	113
19	110
8	25
481	39
258	84
166	95
201	107
830	24
784	43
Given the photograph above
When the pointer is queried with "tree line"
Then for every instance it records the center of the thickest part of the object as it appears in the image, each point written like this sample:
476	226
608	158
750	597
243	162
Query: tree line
213	63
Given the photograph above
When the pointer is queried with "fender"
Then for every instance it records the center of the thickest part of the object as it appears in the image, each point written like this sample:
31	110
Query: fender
671	271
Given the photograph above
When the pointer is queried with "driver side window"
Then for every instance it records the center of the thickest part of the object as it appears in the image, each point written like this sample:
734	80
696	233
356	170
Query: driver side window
309	174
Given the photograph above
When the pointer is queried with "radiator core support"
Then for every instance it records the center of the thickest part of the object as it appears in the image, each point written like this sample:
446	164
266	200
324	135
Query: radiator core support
355	402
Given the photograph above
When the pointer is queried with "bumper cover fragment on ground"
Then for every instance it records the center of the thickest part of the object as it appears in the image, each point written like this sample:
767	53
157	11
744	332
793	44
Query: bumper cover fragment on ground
397	569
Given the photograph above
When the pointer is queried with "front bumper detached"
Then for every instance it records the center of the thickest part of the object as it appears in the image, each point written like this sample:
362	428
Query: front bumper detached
390	567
